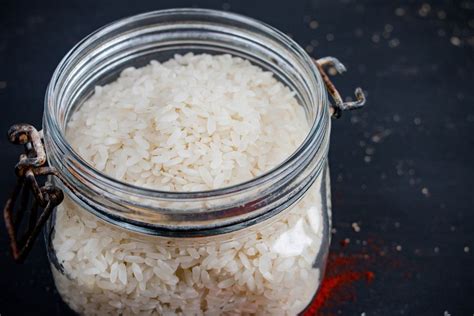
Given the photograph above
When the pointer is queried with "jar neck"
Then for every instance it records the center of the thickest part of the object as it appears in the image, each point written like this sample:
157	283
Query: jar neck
132	41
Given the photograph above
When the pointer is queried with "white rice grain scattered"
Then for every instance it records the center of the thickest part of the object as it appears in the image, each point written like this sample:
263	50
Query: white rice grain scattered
137	272
122	273
226	283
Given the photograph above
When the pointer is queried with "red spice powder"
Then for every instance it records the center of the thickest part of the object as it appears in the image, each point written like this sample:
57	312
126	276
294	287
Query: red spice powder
338	286
351	267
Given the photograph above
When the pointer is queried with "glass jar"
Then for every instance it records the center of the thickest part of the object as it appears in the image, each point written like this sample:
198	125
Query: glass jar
257	247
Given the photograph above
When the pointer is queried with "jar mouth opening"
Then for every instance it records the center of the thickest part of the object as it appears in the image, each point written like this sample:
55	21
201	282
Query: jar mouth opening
312	141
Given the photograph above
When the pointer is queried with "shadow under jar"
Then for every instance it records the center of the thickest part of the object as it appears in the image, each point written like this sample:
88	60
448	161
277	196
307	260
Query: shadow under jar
258	247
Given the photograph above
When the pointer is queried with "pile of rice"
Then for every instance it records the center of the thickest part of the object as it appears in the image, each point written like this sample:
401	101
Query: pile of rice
195	122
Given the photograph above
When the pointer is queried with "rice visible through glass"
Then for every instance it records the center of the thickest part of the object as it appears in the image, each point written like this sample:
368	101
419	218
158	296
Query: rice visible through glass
194	122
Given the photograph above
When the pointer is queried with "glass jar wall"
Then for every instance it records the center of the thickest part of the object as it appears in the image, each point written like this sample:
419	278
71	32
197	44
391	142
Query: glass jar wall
257	247
271	268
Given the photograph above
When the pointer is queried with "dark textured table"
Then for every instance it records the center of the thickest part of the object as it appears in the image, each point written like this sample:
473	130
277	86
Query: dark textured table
402	168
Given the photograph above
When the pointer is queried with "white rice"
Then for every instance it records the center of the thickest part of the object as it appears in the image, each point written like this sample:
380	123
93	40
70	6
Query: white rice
195	122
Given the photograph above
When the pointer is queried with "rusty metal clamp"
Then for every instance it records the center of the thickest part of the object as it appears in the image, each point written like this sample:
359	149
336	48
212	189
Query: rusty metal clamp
340	105
32	163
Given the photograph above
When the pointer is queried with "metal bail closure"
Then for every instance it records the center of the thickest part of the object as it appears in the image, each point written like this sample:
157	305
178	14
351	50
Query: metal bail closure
32	163
340	105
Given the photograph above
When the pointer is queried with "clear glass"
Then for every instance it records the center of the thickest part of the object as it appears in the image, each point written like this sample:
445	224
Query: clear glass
257	247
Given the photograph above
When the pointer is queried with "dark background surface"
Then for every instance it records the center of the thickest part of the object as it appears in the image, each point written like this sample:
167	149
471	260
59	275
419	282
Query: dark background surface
402	168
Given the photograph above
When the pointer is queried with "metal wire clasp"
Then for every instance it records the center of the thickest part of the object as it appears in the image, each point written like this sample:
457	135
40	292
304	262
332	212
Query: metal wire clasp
340	105
32	163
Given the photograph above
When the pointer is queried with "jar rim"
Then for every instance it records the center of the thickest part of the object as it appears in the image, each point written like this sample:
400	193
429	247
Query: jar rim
314	141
